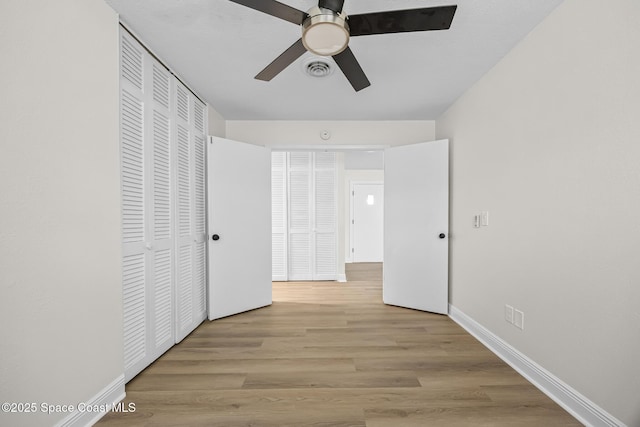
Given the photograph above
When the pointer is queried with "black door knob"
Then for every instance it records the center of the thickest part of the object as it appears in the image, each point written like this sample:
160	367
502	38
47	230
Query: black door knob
442	235
215	237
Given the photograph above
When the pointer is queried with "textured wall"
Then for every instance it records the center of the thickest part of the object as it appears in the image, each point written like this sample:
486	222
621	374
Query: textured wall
60	275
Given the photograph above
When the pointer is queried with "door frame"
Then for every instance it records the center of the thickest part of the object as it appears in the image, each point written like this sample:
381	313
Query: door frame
349	259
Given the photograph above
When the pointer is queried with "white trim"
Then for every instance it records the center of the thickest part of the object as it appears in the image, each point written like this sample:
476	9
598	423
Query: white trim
327	147
342	277
583	409
107	397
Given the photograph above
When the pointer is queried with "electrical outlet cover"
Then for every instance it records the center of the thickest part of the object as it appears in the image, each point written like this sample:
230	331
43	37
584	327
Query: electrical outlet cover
518	319
484	218
508	313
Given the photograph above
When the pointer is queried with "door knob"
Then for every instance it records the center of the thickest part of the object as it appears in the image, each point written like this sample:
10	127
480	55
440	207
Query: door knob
442	235
215	237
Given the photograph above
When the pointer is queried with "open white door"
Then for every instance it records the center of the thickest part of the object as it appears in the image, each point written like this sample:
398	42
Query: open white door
239	177
416	226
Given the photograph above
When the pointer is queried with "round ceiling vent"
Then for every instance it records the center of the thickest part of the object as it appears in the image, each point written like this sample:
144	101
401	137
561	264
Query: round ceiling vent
317	67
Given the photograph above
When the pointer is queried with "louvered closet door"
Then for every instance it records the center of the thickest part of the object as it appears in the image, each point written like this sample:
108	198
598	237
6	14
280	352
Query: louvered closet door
160	226
312	216
136	257
325	266
300	255
146	207
190	248
162	136
198	141
279	267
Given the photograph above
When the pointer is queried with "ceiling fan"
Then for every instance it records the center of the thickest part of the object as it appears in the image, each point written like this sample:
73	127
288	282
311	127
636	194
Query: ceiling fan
326	31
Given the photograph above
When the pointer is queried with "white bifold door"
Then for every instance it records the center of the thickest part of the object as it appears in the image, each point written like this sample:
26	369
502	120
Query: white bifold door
304	226
239	227
416	210
162	128
190	195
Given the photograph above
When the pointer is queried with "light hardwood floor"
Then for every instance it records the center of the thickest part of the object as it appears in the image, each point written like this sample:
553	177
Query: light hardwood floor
333	355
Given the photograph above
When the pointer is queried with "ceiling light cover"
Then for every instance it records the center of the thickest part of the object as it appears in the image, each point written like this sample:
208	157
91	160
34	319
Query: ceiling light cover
325	32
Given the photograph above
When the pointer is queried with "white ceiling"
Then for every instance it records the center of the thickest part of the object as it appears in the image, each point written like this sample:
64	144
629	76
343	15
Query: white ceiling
218	46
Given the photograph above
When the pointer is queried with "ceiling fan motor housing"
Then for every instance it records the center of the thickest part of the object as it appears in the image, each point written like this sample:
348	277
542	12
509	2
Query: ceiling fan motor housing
325	32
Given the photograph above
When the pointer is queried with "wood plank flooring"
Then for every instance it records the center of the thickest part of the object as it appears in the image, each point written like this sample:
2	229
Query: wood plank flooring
331	354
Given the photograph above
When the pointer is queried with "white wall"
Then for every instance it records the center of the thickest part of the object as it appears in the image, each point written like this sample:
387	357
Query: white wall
363	133
364	160
61	306
217	124
549	143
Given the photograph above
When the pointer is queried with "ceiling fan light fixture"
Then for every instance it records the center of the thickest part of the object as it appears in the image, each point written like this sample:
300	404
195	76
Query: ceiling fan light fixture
325	32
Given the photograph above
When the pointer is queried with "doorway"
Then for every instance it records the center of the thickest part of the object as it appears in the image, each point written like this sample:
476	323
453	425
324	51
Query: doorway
415	226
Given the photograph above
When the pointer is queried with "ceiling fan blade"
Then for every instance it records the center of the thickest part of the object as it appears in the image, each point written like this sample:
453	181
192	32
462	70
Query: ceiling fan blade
351	69
400	21
335	5
285	59
274	8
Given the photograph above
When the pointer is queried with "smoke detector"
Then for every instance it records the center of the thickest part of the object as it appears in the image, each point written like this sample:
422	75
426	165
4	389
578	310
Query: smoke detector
317	67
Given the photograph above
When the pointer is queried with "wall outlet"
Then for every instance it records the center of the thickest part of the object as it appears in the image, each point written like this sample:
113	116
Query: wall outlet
484	218
518	319
508	313
476	221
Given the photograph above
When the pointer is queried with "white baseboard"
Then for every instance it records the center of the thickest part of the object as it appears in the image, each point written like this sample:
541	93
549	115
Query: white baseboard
342	278
583	409
111	394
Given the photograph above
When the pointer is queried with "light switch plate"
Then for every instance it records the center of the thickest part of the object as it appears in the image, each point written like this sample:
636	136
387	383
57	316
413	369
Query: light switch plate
476	221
